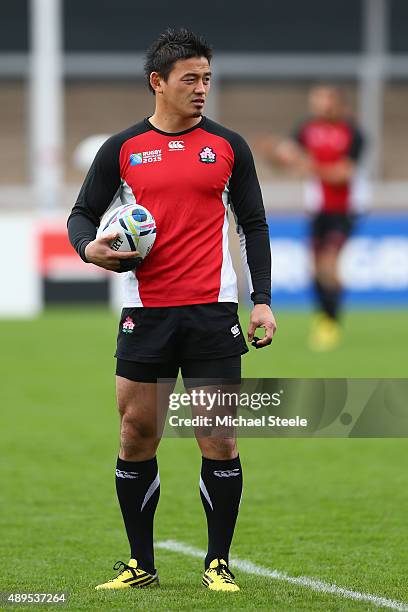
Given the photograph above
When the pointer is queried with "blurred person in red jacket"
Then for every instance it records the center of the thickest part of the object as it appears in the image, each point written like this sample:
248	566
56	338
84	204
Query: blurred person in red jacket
325	149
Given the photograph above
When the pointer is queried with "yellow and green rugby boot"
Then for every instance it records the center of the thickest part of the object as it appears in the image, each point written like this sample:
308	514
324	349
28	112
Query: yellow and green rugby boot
130	576
218	577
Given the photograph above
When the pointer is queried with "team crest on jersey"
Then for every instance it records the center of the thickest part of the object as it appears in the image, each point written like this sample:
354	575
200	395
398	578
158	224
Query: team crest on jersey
128	325
207	156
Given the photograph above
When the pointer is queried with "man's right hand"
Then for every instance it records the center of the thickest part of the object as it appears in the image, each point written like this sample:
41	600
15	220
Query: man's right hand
100	253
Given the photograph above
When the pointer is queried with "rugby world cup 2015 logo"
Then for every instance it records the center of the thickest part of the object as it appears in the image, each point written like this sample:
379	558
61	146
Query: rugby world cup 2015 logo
207	156
136	159
145	157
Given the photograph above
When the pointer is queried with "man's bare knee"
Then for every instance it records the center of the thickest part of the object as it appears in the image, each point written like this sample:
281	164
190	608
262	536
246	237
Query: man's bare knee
138	441
139	435
134	428
218	448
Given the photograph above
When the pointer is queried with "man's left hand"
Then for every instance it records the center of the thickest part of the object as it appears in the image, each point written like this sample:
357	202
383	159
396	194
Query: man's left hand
262	316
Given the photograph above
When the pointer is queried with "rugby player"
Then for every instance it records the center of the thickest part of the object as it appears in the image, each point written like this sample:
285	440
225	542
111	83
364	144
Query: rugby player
325	148
180	306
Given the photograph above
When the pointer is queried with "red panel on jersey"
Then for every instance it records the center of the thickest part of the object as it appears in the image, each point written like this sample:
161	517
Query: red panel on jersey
181	181
328	142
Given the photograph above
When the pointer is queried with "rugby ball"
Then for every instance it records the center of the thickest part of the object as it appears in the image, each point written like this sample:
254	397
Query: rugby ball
134	224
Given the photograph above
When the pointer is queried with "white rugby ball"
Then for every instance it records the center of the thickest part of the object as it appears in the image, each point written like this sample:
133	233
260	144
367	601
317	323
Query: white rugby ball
134	224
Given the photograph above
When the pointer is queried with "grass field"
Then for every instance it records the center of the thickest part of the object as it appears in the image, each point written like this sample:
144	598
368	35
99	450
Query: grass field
332	510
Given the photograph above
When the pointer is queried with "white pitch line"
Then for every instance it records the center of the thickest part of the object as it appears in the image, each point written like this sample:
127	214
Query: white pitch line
317	585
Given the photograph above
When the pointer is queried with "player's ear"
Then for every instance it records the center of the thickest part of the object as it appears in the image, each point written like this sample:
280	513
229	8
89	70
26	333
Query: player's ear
156	82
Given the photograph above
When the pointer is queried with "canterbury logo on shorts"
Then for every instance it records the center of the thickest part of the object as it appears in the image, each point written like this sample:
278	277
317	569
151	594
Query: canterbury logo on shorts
122	474
226	473
235	330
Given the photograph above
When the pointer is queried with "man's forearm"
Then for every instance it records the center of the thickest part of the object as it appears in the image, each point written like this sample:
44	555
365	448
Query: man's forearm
81	231
338	173
258	255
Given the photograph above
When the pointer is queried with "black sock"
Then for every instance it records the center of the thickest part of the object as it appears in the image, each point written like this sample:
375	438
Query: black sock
138	489
333	297
220	490
328	298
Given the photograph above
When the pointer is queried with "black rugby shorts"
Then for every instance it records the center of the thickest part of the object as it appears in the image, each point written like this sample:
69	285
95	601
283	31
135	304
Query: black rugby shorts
331	229
202	339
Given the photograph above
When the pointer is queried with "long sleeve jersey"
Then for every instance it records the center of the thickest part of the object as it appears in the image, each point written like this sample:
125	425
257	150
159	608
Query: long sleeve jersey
189	181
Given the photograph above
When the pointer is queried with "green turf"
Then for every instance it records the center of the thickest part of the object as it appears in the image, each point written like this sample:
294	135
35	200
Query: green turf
333	510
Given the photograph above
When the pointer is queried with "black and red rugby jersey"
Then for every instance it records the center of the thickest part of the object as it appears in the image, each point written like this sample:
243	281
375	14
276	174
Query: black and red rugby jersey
188	181
327	142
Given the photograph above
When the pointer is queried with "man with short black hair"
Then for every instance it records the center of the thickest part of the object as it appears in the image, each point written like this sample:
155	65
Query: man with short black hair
182	300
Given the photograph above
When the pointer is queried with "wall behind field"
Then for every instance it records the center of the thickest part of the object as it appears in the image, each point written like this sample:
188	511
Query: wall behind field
374	265
250	108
